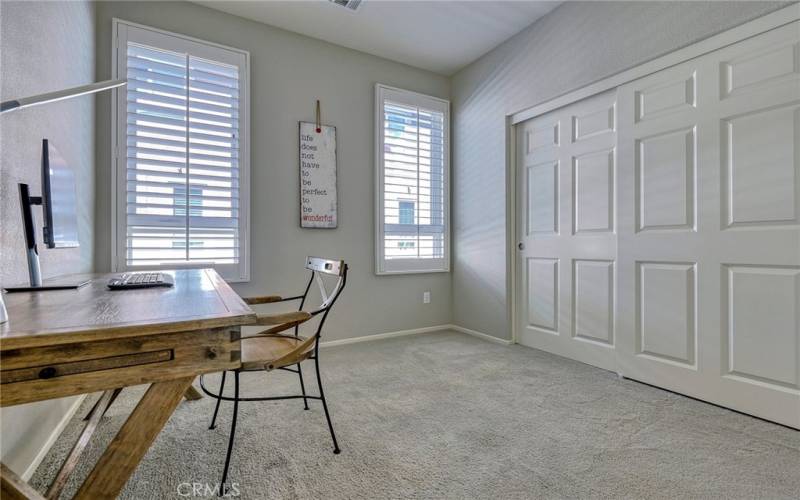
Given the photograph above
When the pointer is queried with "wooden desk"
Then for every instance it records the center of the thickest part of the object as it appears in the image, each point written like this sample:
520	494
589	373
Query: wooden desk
63	343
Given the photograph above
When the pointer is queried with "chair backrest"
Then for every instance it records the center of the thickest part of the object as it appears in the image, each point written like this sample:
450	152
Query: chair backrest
327	266
319	266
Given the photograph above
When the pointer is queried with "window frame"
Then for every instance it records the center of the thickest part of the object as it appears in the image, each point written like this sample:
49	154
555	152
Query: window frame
200	48
413	265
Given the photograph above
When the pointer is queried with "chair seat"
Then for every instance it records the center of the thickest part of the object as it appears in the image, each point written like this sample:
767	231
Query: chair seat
271	352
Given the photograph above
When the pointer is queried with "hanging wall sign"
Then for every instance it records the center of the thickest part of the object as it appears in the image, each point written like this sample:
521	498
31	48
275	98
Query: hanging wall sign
317	176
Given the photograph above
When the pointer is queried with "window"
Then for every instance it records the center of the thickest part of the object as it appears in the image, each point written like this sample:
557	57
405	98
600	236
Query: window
181	153
195	200
412	158
406	212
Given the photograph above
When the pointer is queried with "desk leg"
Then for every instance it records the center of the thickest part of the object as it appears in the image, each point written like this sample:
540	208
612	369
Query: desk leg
12	487
71	461
114	394
133	440
192	394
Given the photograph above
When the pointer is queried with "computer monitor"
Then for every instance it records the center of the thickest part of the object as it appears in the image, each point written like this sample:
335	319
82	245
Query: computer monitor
58	200
60	226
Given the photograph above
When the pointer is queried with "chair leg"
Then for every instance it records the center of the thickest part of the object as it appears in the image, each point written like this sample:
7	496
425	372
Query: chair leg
222	489
216	408
336	449
302	386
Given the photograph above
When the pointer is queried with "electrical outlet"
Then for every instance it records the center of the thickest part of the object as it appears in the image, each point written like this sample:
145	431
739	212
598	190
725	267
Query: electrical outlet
426	297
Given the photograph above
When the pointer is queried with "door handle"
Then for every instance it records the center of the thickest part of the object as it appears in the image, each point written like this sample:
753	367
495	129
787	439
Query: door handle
521	246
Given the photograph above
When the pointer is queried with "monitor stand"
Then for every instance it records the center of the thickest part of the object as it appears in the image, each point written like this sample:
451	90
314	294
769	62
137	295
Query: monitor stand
61	283
32	252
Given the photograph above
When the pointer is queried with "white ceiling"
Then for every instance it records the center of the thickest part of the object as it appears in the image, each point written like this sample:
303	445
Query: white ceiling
440	36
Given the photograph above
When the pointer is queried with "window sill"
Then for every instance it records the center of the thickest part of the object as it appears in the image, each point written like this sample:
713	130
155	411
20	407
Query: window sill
420	271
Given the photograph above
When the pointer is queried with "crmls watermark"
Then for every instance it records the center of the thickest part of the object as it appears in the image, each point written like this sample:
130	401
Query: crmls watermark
197	489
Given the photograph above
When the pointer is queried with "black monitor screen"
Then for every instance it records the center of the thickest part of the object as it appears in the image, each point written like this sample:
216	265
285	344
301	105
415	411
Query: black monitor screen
59	200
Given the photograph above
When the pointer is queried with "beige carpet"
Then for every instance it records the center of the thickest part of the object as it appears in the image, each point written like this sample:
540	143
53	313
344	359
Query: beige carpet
445	415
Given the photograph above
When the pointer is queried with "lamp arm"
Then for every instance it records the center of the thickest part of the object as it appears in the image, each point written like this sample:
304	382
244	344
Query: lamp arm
59	95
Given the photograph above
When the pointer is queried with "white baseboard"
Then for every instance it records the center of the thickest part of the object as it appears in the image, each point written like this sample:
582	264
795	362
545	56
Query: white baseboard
387	335
480	335
427	329
37	460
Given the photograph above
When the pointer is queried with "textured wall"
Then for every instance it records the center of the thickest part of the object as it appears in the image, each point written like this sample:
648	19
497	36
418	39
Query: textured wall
576	44
43	47
288	72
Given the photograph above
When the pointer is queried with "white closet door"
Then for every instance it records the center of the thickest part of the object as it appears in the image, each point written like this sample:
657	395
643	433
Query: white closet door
566	223
709	227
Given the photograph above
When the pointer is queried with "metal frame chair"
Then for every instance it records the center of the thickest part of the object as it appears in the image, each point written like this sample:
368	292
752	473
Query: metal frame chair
271	349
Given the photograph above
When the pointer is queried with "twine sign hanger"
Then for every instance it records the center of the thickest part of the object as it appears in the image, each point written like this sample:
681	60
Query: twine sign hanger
319	119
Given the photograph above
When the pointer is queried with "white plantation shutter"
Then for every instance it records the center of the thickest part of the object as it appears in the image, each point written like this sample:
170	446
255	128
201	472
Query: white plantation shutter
182	155
413	190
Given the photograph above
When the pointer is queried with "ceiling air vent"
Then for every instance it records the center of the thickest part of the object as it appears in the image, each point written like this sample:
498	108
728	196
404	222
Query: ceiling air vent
348	4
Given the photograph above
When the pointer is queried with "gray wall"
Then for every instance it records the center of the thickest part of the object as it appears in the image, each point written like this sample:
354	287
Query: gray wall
43	47
289	71
576	44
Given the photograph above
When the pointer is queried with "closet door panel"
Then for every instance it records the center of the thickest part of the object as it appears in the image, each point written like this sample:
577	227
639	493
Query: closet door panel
757	115
709	241
665	175
566	206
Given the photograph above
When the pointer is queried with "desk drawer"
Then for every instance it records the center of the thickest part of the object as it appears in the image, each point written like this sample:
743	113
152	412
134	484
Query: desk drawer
39	373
